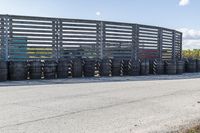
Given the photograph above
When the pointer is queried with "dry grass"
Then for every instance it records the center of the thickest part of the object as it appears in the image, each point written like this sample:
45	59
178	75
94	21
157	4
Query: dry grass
193	130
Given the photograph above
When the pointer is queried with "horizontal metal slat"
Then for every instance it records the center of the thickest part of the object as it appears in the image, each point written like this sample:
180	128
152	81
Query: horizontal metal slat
118	34
118	38
79	36
168	36
147	46
149	39
165	41
32	42
31	23
117	24
79	32
146	43
148	36
31	27
149	30
79	44
115	27
39	47
148	26
28	30
78	25
79	40
29	50
35	35
119	31
147	33
31	39
79	29
107	41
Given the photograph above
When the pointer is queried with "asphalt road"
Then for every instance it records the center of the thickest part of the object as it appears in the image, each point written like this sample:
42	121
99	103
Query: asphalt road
114	105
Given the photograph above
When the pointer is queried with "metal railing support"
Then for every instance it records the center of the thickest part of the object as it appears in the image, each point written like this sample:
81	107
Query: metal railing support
60	38
6	38
135	40
173	46
181	45
102	39
54	40
160	42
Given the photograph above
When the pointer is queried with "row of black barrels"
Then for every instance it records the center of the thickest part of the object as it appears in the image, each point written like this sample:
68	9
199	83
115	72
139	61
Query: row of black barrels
16	70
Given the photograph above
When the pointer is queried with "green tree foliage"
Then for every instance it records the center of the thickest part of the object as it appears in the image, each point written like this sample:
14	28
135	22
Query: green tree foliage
195	53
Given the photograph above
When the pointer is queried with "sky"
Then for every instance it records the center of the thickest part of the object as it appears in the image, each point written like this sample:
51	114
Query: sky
182	15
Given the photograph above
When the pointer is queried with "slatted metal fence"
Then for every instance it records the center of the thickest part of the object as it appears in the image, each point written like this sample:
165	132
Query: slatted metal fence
30	38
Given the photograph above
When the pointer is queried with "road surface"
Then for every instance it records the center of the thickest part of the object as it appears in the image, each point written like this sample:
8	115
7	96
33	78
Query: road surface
106	105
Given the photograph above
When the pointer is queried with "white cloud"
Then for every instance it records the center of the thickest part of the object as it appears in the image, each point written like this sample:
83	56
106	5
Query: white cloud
184	2
191	38
190	33
191	44
98	13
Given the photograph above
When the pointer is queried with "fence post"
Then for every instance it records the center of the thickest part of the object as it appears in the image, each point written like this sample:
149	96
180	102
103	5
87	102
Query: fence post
54	40
6	38
135	41
60	39
57	40
102	39
98	39
160	42
2	38
181	45
10	35
173	46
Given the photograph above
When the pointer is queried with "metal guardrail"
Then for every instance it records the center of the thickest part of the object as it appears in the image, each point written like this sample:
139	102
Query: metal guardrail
29	38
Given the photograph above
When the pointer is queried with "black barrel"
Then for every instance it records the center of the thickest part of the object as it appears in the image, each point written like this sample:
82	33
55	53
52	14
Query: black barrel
49	69
89	67
151	66
63	68
3	70
116	67
134	68
158	67
18	70
170	67
198	65
35	69
180	67
77	68
191	66
185	65
145	67
125	65
105	67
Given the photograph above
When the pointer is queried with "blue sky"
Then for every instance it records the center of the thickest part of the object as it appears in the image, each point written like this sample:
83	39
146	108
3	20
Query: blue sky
182	15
